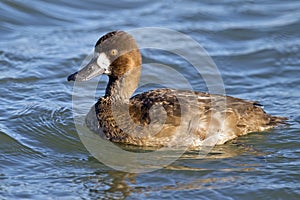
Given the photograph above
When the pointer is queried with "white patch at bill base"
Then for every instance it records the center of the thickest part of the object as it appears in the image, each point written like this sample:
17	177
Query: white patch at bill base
103	61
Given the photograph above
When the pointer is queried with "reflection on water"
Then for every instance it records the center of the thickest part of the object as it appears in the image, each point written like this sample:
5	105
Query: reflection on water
255	46
189	173
122	185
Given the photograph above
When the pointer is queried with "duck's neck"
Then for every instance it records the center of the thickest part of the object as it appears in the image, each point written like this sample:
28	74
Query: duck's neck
122	88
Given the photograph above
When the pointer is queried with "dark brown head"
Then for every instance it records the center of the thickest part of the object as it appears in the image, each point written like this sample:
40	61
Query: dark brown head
115	54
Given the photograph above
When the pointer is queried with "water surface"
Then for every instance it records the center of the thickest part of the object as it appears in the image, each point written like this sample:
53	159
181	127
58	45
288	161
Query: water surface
256	47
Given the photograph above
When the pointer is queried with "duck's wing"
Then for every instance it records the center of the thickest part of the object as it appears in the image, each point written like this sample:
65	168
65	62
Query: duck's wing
201	113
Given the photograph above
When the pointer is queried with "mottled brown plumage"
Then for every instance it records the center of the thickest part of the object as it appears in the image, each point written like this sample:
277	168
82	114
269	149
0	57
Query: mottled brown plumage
164	117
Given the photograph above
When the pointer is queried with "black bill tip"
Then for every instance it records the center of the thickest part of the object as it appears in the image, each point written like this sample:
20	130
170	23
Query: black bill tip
72	77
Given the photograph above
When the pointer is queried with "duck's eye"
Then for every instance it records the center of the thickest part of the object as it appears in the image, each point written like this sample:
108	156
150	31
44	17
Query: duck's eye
114	52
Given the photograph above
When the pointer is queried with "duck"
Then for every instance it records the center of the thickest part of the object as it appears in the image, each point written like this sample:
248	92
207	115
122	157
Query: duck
161	117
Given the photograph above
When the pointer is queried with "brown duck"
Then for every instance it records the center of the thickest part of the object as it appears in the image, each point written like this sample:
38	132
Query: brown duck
162	117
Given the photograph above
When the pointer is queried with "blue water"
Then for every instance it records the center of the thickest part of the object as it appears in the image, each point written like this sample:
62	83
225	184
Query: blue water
256	46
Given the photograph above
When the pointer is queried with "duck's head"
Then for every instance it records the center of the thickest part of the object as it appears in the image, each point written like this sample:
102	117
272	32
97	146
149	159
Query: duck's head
115	54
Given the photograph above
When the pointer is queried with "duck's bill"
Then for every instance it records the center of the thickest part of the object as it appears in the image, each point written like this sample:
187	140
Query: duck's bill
90	71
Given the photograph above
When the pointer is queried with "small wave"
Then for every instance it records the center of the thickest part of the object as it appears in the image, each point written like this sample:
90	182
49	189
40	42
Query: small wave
44	128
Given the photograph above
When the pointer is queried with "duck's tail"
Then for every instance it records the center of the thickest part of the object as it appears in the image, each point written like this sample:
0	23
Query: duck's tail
276	121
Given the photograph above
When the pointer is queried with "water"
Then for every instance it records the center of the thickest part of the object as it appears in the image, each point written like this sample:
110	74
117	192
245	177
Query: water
256	47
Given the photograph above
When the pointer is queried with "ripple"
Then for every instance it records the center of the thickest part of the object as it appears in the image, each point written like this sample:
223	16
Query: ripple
46	128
